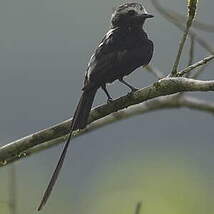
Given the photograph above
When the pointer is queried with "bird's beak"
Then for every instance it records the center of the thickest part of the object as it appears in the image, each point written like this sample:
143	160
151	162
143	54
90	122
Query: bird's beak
147	15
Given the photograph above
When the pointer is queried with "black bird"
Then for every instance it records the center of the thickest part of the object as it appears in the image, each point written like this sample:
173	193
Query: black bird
124	48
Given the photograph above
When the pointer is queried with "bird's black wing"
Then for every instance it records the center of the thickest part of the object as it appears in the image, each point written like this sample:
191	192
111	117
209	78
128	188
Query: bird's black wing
116	53
105	56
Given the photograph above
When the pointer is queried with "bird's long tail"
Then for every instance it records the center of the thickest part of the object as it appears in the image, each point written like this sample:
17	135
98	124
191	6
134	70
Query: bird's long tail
79	121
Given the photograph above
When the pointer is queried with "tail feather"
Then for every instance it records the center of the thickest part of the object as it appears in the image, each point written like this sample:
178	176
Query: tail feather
81	114
79	121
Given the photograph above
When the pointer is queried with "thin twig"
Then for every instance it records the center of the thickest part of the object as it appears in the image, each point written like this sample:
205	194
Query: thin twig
193	66
199	71
196	23
191	50
181	46
168	16
138	207
192	4
191	57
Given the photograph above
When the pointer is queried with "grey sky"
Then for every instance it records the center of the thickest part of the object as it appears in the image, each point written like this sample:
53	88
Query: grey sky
44	49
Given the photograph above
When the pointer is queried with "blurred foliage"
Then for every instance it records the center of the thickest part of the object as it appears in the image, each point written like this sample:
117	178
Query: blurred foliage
165	186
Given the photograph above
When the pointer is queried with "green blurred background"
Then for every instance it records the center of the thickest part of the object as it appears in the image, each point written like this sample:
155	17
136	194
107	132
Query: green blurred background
163	158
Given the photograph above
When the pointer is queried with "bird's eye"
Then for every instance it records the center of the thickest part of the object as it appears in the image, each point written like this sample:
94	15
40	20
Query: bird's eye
131	12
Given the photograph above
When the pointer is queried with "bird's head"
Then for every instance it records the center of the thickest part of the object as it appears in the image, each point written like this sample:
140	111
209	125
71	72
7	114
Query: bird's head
129	14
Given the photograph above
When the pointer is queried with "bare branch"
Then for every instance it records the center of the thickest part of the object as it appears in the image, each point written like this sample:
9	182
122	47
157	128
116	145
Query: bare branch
193	66
199	71
57	134
192	5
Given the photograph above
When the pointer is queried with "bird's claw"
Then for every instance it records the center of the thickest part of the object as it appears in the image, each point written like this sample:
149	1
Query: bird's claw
133	90
110	100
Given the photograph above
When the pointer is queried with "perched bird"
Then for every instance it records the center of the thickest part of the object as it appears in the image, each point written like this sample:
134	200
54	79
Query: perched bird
124	48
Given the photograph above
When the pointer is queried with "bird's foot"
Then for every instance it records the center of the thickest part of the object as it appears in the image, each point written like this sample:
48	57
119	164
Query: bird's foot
133	90
109	100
